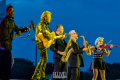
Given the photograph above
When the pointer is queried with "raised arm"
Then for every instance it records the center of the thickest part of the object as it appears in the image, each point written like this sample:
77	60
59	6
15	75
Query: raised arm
109	51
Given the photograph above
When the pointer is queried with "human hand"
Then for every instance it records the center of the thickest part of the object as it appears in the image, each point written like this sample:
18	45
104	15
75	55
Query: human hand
85	49
62	53
92	48
59	52
63	36
111	46
19	33
32	25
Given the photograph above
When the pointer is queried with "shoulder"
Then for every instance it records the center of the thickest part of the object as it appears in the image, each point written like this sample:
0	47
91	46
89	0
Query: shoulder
41	23
72	44
4	20
38	24
64	40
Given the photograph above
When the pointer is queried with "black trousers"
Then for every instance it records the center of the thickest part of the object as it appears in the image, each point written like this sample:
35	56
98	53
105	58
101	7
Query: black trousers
39	72
75	73
6	64
60	66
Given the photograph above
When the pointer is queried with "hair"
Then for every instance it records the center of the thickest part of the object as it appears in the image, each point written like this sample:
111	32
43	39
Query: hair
44	14
57	27
71	32
9	7
99	38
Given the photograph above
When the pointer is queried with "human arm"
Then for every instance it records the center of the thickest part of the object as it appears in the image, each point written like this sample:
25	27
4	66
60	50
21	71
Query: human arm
44	29
53	48
76	48
81	50
21	30
109	51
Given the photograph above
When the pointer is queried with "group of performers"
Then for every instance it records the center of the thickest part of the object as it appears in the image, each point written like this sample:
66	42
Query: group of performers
58	47
57	44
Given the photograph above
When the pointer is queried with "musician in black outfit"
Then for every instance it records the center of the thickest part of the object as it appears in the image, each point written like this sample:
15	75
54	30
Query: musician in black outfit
58	48
75	58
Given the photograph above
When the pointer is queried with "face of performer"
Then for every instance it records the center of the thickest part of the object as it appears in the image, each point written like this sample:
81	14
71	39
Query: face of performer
10	12
48	18
100	42
75	35
61	30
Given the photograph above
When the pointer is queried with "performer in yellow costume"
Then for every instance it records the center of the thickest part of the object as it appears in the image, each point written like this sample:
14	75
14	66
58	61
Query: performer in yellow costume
42	26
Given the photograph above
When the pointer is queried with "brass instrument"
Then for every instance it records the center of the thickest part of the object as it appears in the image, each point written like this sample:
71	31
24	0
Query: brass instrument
86	45
66	55
89	49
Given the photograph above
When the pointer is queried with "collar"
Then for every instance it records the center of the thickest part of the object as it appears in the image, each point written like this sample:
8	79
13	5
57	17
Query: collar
9	17
45	22
73	40
57	34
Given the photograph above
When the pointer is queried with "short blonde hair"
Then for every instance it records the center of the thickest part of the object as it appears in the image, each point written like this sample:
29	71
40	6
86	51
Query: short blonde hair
44	14
71	32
